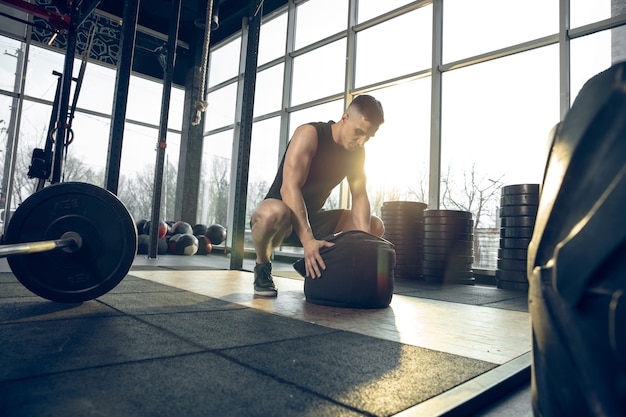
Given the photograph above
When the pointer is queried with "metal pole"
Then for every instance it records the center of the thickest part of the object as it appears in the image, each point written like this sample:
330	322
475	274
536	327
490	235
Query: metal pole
64	100
245	136
120	98
161	144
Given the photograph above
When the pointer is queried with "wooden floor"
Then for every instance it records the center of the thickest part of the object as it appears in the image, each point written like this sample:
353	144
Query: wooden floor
491	334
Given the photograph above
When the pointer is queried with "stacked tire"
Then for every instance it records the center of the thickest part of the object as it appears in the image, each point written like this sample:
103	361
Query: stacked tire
448	247
518	212
404	227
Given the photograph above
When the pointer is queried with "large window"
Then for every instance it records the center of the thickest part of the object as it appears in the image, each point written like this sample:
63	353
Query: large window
263	160
273	39
496	120
215	178
319	19
583	12
590	55
221	109
379	44
475	27
369	9
86	155
41	81
397	157
319	73
269	93
224	62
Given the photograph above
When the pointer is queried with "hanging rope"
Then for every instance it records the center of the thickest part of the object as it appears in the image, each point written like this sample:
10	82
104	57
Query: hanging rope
201	104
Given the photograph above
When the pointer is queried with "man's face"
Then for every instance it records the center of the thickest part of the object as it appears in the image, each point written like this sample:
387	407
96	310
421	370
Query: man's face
357	131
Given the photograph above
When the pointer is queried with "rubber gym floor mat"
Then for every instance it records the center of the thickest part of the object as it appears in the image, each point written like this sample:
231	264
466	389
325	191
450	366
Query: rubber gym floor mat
478	295
161	351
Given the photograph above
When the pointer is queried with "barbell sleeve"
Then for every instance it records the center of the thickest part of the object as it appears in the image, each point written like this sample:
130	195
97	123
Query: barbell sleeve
34	247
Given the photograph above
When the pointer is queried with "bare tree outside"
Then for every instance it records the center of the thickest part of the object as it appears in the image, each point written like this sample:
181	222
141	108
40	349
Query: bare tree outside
214	192
479	194
136	192
476	193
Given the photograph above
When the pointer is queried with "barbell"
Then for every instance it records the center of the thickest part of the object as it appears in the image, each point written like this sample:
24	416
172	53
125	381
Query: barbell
94	231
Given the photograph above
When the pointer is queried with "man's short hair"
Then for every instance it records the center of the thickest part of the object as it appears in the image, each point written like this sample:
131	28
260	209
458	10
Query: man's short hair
369	107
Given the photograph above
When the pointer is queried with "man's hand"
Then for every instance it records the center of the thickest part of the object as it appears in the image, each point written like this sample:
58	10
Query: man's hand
312	259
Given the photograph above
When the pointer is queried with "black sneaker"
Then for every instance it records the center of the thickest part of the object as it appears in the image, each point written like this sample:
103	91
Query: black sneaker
263	283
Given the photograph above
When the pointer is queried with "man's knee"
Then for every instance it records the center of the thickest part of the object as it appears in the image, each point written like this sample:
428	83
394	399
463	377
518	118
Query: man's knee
377	227
271	214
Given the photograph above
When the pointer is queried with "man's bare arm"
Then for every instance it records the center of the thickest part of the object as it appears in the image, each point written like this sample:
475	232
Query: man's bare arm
300	153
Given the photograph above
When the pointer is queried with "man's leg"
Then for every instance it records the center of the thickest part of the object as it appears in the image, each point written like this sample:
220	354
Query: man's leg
345	222
271	223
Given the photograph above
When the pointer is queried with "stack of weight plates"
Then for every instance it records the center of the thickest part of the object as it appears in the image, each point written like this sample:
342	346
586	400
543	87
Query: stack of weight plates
448	246
518	211
404	227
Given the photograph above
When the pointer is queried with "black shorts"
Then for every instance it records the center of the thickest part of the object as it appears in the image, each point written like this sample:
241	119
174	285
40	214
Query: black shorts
323	223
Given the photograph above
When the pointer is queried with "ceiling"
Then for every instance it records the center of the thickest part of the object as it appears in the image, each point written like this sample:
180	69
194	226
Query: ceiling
155	15
153	25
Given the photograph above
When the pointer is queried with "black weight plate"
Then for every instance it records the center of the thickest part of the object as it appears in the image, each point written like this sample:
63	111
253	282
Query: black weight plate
449	243
410	275
518	221
448	220
412	249
448	228
523	232
401	219
409	267
514	243
451	278
417	210
513	211
512	264
519	199
403	241
520	189
109	242
404	229
410	238
442	250
451	259
404	215
461	273
448	236
512	253
413	205
401	227
449	214
450	264
408	259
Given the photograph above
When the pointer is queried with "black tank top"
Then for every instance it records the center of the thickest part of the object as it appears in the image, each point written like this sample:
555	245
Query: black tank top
330	165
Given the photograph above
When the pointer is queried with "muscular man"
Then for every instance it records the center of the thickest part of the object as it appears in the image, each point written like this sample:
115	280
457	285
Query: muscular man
318	157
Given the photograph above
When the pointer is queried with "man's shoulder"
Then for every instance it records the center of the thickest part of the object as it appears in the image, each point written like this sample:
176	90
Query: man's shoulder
321	124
